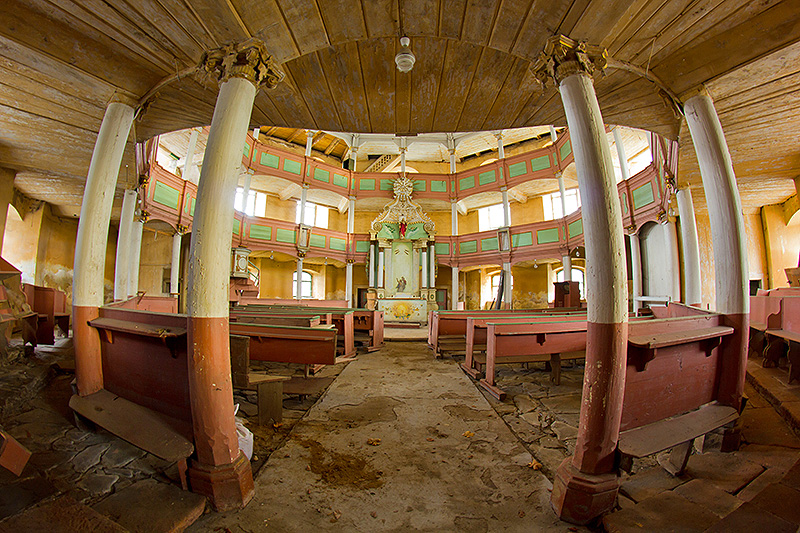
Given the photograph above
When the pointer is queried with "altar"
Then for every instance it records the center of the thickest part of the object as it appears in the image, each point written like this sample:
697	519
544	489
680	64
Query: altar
401	265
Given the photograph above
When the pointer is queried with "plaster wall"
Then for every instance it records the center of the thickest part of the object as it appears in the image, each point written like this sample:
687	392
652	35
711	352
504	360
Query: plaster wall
21	241
156	255
782	243
6	195
530	290
653	239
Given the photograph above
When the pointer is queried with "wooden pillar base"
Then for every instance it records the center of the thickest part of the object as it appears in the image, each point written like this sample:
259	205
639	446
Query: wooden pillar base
228	486
578	497
88	359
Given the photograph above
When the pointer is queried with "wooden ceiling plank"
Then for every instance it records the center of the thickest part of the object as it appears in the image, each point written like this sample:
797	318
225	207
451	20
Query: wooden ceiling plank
510	17
305	23
403	96
267	114
343	20
31	102
341	63
76	51
265	21
420	17
286	98
541	21
601	20
478	21
379	18
312	84
221	22
518	87
461	60
451	18
571	17
425	79
491	73
639	27
170	17
705	60
377	64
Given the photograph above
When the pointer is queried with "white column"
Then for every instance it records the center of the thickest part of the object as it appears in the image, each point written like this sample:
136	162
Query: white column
563	192
673	260
175	270
403	149
348	272
303	196
380	268
299	285
309	143
728	237
501	152
623	159
432	266
188	164
506	207
636	269
566	263
354	151
135	256
372	265
691	249
553	134
122	264
246	190
507	293
424	264
454	289
454	216
90	245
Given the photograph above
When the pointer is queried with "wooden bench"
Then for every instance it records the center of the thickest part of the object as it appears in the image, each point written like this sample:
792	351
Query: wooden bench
143	302
672	374
783	336
289	344
269	388
447	329
51	306
145	396
762	306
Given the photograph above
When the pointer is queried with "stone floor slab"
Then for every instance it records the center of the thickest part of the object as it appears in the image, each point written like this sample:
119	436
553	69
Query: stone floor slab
709	496
750	518
780	500
765	426
665	512
62	515
648	483
729	471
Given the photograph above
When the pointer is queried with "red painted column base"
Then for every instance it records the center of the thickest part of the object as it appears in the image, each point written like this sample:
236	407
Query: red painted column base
227	486
578	497
88	358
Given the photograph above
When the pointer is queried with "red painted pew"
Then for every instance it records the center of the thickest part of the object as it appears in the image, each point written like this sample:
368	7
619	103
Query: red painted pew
783	336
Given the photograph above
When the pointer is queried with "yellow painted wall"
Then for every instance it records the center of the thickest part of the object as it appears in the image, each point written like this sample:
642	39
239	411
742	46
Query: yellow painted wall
21	242
156	255
335	283
707	278
530	286
281	209
783	244
276	278
472	289
530	211
756	248
468	223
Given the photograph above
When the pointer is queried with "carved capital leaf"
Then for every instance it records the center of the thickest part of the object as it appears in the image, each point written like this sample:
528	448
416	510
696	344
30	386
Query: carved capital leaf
563	57
248	59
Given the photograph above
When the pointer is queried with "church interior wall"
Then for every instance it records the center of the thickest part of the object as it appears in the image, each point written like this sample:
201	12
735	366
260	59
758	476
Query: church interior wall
784	243
156	256
21	241
276	277
531	286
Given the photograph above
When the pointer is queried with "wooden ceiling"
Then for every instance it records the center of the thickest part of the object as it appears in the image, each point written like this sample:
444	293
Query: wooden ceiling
62	60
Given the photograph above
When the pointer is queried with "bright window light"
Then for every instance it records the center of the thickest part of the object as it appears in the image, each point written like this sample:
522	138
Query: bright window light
315	215
577	275
305	284
552	204
490	217
251	201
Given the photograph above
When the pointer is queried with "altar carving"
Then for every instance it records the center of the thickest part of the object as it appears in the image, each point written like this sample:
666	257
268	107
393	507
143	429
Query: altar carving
403	236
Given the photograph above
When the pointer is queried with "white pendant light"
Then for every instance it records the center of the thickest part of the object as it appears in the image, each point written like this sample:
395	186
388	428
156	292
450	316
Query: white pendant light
405	57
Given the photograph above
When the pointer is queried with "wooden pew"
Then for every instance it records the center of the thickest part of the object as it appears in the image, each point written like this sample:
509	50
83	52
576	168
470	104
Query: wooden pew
15	317
145	395
762	306
783	336
289	344
268	387
142	302
51	306
277	319
447	330
672	373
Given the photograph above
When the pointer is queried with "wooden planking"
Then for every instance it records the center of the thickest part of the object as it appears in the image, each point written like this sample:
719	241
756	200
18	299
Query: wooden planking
478	21
402	112
489	78
343	71
461	60
508	24
343	20
265	21
186	19
220	20
420	17
313	87
595	24
305	23
426	76
520	85
264	112
451	19
287	100
541	22
377	64
380	17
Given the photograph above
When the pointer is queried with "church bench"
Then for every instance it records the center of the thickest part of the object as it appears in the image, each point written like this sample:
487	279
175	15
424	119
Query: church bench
783	336
762	306
51	306
277	319
15	316
447	329
269	388
142	302
145	396
671	379
289	344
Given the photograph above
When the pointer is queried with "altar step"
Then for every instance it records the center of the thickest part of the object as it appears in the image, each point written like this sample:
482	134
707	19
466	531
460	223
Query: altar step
407	325
405	332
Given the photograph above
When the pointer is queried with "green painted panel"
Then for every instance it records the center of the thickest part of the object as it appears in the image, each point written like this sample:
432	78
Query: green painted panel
322	175
237	225
386	185
166	195
366	184
292	166
566	149
517	169
260	232
522	239
438	186
191	210
487	177
317	241
362	247
389	231
246	150
339	180
468	247
187	202
575	228
270	160
442	248
419	185
545	236
643	195
487	245
338	244
540	163
415	231
286	235
625	203
466	183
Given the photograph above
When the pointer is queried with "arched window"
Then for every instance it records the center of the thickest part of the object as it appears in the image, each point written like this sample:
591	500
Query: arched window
577	275
305	285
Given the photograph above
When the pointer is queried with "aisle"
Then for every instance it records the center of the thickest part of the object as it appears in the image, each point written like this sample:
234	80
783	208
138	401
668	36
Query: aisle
399	442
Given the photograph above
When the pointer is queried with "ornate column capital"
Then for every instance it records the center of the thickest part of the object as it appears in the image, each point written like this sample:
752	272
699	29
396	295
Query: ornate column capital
564	57
248	59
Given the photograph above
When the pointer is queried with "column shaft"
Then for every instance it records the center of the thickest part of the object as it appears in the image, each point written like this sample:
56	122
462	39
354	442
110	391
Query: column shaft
175	270
372	269
424	264
454	289
673	260
692	292
90	245
299	285
566	263
636	270
729	240
380	268
122	263
135	257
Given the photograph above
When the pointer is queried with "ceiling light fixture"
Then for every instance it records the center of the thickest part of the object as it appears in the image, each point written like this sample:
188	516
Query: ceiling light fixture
405	57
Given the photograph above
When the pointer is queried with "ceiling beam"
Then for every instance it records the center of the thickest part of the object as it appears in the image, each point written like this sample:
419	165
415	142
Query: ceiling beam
290	190
517	196
333	144
461	208
343	204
